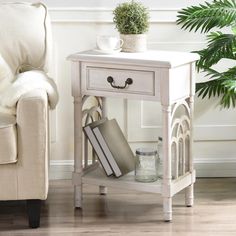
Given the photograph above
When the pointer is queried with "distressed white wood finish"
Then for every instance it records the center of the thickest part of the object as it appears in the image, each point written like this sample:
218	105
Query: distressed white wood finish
98	177
91	111
189	196
160	59
172	80
180	133
150	90
166	134
103	189
138	87
77	174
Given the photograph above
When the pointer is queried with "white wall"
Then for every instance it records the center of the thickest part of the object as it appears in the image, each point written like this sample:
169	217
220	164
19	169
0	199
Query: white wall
75	26
113	3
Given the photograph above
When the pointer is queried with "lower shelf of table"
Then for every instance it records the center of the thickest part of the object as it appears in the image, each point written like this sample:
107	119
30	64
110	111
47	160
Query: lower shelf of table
99	178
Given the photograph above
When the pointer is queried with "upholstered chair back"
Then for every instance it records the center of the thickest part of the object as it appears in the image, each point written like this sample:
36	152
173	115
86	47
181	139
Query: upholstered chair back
25	44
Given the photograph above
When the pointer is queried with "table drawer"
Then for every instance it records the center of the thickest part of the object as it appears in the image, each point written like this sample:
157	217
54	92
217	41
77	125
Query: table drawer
118	80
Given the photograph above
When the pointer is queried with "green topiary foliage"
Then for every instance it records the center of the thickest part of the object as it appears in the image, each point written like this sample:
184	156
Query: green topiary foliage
131	18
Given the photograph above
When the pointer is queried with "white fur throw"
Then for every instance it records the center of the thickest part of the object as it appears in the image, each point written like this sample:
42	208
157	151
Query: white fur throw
11	89
6	75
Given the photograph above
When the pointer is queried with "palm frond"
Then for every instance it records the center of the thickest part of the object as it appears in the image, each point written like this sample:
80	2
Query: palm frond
230	73
204	17
222	84
228	99
219	46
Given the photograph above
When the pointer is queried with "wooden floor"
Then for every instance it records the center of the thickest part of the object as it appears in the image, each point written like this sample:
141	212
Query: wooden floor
128	213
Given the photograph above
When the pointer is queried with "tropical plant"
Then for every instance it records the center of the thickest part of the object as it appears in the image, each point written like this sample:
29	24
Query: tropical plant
131	18
204	17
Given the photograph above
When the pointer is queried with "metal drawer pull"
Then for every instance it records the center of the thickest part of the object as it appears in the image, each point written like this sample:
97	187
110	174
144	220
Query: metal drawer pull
111	80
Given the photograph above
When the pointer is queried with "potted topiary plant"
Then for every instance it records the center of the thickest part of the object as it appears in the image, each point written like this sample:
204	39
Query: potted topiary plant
132	21
205	17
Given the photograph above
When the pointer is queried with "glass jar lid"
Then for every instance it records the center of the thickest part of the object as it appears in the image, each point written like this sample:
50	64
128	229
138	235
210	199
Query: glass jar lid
146	151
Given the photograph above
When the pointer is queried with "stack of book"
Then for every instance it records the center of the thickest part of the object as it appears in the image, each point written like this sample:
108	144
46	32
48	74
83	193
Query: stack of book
111	147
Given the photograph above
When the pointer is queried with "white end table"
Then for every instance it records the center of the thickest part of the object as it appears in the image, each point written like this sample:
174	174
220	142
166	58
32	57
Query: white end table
162	76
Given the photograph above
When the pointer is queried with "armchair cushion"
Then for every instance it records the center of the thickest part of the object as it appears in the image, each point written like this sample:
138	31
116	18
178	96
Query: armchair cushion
24	43
8	137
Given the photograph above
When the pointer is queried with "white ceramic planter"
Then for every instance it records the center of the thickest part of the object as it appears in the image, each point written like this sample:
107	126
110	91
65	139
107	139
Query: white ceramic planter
134	42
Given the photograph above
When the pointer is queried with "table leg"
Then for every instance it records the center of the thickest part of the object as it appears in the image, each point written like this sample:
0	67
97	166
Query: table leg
189	196
78	168
78	196
189	191
167	199
103	189
167	208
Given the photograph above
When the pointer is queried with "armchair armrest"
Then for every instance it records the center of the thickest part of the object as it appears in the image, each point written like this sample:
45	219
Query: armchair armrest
32	134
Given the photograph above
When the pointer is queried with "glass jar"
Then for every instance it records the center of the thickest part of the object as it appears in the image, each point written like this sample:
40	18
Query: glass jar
146	165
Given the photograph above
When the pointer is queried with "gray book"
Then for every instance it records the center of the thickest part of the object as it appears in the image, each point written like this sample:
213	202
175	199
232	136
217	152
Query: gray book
101	156
115	147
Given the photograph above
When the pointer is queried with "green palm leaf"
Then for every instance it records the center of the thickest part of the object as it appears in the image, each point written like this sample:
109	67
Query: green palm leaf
219	46
219	13
222	84
204	17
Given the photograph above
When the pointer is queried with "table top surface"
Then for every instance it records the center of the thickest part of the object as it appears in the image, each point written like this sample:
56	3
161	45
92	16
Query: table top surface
168	59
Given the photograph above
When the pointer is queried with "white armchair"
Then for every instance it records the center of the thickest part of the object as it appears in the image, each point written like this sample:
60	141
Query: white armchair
25	45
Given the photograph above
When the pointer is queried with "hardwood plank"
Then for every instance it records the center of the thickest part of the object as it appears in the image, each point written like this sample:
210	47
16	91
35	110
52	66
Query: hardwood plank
130	213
